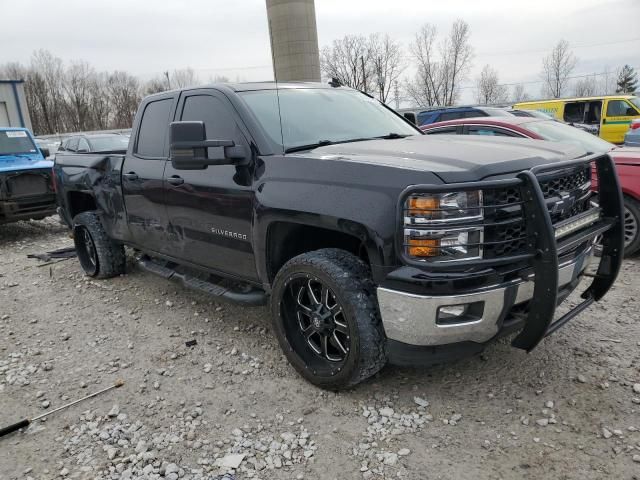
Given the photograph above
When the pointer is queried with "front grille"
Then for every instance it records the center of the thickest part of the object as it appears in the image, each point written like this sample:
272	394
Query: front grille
505	233
27	184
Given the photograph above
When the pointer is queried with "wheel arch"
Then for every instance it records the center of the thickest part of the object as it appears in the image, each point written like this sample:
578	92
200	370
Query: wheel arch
288	236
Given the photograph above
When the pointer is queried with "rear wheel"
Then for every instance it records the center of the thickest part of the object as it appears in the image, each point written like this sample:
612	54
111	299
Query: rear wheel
99	255
326	318
631	226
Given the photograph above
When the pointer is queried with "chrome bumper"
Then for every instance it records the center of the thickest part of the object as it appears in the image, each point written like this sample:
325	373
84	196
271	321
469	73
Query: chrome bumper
412	319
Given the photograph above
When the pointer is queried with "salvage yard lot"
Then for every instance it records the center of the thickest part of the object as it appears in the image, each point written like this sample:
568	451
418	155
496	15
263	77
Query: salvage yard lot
570	409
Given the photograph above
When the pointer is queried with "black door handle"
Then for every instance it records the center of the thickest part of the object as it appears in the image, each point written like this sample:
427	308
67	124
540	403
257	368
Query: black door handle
175	180
130	176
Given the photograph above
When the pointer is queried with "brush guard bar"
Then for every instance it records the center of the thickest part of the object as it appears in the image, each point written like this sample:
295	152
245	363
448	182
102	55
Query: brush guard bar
543	248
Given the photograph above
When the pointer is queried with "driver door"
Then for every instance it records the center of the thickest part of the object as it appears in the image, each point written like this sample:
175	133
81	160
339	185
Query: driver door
210	210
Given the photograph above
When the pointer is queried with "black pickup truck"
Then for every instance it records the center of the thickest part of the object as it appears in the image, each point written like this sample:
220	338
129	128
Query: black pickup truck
371	242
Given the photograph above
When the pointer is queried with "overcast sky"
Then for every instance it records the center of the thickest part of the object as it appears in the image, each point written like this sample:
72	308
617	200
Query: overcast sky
222	37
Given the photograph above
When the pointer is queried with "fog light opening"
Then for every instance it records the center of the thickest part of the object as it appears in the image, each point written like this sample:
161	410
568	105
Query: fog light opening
459	314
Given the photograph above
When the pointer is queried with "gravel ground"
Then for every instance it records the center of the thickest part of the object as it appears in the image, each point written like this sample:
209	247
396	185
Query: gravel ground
567	410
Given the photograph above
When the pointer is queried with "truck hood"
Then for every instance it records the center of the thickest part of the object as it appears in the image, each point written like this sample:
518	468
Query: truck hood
11	163
453	158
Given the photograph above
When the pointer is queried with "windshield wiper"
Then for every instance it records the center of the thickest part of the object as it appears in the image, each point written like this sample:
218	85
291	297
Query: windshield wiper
391	136
310	146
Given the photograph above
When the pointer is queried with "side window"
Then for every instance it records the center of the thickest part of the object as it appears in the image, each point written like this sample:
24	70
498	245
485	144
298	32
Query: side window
153	128
574	112
619	108
72	145
490	131
219	122
474	114
444	130
450	116
83	145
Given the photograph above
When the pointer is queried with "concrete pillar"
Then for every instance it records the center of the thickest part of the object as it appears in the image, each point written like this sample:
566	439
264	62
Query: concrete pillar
294	40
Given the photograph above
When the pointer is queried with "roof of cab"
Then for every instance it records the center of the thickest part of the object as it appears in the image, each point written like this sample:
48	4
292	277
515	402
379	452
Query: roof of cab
577	99
253	86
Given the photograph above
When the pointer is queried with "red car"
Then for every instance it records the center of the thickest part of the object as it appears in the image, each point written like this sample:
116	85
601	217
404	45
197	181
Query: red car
627	159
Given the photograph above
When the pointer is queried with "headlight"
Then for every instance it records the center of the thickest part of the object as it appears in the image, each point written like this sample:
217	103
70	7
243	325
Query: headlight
433	208
445	244
432	229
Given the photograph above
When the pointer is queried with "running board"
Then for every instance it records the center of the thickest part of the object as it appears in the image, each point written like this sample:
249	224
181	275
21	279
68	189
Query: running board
252	297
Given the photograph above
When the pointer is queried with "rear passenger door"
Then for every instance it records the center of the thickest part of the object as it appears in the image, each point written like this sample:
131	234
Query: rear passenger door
142	175
210	210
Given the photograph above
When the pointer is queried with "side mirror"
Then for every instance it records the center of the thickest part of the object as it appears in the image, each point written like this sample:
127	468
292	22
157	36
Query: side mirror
45	152
190	149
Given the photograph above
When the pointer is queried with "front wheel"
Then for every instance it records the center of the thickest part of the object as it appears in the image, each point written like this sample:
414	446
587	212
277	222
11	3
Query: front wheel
631	226
325	316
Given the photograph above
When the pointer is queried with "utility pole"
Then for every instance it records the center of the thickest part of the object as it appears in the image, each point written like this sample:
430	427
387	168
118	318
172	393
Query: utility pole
166	74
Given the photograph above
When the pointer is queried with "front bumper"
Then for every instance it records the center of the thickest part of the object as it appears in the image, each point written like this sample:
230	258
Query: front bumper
554	268
27	208
413	319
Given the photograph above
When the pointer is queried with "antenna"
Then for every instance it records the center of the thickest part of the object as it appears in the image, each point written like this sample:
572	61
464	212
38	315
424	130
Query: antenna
275	77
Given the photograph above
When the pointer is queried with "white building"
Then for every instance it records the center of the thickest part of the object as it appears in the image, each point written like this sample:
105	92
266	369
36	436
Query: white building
13	104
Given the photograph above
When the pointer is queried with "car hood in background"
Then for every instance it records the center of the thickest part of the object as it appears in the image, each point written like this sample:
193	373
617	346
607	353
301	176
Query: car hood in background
11	163
626	155
453	158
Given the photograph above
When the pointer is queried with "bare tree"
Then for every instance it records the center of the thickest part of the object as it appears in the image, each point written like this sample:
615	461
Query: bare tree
155	85
586	87
347	60
425	89
385	56
556	69
184	78
457	54
440	71
519	94
219	79
76	86
488	88
123	90
99	103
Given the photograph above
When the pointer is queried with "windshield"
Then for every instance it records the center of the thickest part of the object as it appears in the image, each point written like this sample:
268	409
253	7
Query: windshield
16	141
108	144
315	115
559	132
635	101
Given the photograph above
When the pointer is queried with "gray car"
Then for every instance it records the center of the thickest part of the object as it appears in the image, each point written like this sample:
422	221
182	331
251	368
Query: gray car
632	138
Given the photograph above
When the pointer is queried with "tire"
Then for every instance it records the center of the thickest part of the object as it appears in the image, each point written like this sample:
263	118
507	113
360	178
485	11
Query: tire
631	226
99	255
347	343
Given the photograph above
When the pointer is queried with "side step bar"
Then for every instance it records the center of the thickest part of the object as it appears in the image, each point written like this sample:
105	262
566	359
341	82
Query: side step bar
251	298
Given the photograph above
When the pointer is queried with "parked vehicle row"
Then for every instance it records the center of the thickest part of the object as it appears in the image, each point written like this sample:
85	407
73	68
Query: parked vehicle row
627	160
372	242
609	116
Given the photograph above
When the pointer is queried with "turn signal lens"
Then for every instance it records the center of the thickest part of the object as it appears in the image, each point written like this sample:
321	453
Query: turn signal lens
428	247
423	205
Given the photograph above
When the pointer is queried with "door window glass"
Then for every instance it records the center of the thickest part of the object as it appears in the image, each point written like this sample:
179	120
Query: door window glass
83	145
619	108
153	128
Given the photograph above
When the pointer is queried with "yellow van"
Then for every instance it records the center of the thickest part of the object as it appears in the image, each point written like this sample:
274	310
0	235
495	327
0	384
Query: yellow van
610	116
